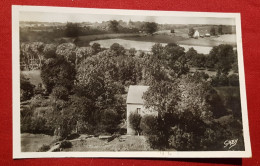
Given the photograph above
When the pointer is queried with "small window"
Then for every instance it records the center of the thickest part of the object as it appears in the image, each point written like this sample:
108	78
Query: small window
138	110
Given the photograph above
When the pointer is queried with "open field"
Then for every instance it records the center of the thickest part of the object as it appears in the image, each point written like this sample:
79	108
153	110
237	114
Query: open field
178	38
160	38
32	142
211	41
145	45
85	40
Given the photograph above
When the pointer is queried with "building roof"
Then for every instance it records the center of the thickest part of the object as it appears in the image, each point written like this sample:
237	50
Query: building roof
135	94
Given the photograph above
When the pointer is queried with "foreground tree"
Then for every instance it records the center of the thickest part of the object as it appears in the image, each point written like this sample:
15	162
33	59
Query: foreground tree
221	58
184	112
57	72
67	50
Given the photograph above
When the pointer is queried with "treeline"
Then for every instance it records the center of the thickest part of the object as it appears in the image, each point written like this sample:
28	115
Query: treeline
74	30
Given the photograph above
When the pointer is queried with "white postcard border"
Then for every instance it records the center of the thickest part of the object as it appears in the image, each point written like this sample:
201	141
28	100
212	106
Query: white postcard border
129	154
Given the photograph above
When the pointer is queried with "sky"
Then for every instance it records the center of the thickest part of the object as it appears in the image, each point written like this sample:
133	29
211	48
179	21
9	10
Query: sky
79	17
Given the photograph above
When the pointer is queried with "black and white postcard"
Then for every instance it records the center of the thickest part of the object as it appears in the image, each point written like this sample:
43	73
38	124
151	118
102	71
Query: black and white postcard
127	83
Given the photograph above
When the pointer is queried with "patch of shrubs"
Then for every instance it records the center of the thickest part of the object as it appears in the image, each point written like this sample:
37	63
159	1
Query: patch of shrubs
44	148
224	80
65	144
73	136
113	137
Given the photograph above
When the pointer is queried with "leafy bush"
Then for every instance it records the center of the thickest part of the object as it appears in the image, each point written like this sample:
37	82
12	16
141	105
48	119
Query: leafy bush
49	51
220	80
60	93
27	88
151	128
57	72
122	131
110	120
26	118
113	137
233	80
73	136
117	49
135	120
65	144
39	101
96	47
44	148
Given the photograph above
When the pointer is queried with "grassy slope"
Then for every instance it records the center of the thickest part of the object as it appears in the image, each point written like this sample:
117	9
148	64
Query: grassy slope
156	38
132	143
85	40
210	41
32	142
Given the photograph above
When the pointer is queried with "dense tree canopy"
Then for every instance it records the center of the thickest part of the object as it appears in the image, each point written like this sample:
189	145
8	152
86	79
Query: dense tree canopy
57	71
221	58
87	89
67	50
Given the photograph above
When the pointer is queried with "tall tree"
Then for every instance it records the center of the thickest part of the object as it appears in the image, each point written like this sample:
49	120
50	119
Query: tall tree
113	25
26	88
220	29
191	32
222	57
150	27
213	31
72	30
57	71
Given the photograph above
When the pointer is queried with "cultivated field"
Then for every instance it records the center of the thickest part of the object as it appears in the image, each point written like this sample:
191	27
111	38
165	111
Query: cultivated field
85	40
211	41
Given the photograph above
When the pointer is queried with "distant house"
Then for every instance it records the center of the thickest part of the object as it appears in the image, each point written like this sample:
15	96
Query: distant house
135	103
196	34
